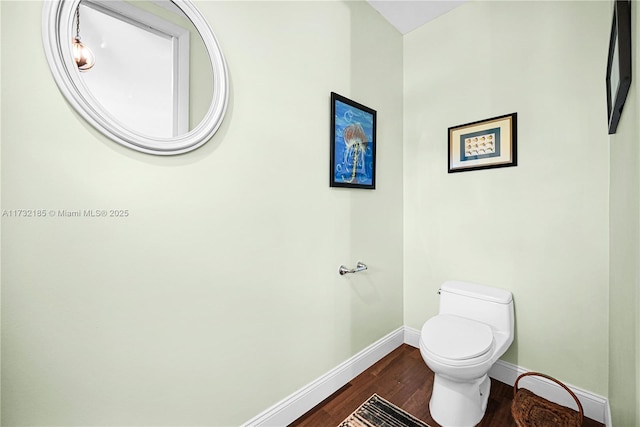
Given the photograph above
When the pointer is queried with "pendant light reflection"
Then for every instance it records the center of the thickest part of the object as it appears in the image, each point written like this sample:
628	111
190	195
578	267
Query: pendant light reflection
83	56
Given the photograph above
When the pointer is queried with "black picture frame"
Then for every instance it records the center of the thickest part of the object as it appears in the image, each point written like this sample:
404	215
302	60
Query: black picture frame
484	144
353	144
618	78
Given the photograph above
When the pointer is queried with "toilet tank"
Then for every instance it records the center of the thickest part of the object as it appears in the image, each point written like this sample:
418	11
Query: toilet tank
493	306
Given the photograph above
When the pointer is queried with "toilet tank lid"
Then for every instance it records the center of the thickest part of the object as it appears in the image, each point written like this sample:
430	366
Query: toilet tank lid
475	290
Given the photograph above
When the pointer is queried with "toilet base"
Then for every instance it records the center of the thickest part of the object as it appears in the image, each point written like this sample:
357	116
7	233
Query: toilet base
459	404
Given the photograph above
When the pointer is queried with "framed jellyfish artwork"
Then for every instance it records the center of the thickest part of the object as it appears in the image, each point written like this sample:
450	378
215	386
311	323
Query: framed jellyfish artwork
485	144
353	144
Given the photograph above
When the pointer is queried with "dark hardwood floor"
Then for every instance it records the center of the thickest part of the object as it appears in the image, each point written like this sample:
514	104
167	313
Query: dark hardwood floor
404	379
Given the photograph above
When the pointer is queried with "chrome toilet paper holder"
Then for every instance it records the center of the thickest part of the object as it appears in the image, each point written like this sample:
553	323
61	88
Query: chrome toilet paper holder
360	266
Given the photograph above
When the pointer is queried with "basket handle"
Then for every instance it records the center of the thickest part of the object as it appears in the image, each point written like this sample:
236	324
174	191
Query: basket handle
538	374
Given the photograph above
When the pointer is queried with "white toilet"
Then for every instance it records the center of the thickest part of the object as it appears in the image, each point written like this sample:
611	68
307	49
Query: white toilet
473	329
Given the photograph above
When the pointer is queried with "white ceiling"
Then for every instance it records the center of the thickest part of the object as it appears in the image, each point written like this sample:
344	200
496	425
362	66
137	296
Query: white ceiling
407	15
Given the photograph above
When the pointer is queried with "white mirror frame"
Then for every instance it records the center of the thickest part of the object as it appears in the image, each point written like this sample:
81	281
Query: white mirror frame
57	34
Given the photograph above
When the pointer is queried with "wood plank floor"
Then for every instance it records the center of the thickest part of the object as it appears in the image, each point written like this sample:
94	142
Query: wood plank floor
404	379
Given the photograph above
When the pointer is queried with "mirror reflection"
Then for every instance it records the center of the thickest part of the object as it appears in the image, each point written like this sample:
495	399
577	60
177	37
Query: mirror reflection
152	73
149	74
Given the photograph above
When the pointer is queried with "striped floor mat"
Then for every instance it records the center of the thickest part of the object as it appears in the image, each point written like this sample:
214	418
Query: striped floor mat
377	412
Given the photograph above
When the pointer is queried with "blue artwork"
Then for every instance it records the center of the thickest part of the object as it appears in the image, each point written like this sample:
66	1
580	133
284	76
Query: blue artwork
480	145
353	145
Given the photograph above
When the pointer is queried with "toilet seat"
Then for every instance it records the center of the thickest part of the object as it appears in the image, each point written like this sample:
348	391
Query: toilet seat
456	340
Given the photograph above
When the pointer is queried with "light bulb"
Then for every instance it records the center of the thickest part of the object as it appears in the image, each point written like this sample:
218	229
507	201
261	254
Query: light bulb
82	55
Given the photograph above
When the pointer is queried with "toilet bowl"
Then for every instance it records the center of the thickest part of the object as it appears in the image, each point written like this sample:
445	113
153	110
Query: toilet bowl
473	329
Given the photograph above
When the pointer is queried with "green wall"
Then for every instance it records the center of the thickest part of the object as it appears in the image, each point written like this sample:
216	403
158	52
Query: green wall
221	286
540	229
219	294
624	373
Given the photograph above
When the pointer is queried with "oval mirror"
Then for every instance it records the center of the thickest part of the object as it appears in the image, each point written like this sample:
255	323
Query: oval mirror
154	80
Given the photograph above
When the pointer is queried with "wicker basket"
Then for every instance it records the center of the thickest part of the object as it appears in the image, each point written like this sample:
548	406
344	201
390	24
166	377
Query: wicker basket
530	410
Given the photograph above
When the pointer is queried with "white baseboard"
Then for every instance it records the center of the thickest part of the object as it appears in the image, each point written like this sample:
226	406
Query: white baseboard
412	337
594	406
297	404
